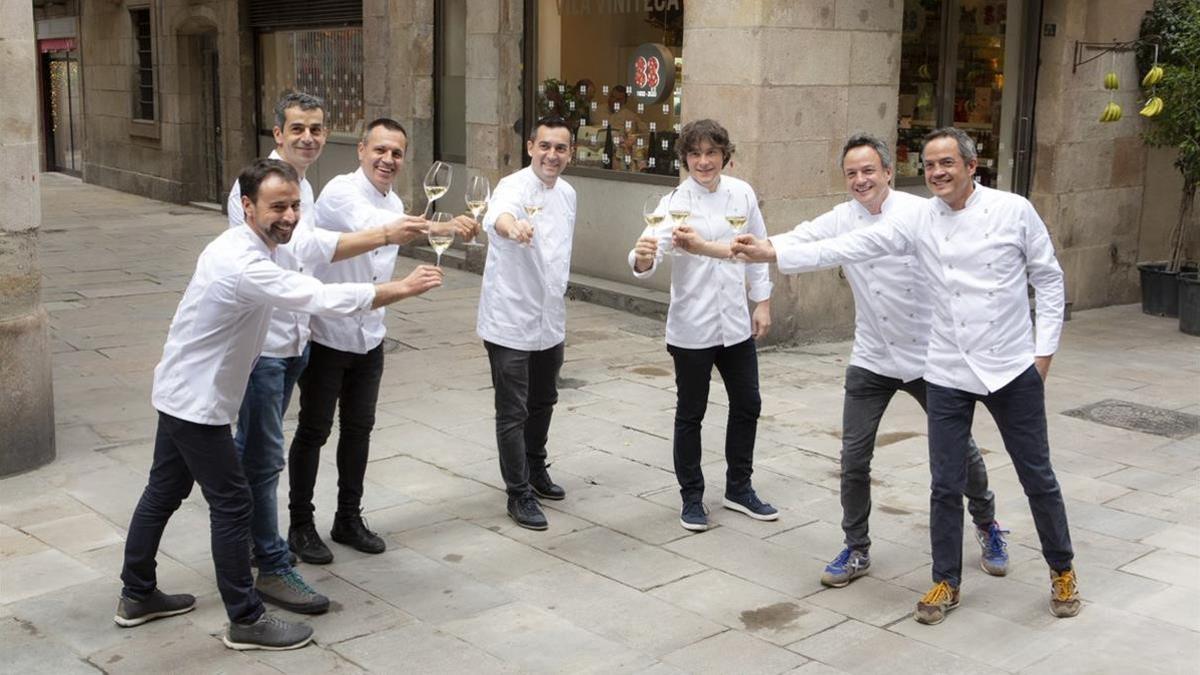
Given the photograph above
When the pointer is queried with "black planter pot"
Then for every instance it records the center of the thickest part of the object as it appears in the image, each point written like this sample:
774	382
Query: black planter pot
1189	303
1160	288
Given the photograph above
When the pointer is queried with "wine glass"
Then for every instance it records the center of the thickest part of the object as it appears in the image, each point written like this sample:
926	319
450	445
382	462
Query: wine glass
441	233
479	191
737	211
533	201
654	219
679	206
437	182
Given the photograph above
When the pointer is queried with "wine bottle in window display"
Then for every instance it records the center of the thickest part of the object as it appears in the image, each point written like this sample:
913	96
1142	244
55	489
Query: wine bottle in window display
652	153
609	148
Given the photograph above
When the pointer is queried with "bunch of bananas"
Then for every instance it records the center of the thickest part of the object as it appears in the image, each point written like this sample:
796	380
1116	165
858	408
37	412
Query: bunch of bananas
1153	76
1112	112
1153	107
1110	80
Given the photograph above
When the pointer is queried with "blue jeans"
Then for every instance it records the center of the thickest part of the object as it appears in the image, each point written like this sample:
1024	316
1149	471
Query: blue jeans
1019	409
259	444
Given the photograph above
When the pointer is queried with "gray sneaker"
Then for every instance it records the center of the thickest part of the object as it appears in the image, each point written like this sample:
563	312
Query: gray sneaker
289	591
269	632
158	605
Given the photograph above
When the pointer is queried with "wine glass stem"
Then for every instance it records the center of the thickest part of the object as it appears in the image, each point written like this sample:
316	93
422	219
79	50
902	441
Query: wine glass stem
439	258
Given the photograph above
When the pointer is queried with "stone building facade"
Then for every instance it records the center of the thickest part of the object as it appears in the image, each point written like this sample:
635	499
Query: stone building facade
790	79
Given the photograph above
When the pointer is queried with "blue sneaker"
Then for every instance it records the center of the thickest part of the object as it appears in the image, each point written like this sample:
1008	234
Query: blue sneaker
849	565
694	516
752	506
993	556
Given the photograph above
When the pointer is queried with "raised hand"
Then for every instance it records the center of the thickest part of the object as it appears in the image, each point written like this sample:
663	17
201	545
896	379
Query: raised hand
405	228
422	279
686	238
466	226
644	251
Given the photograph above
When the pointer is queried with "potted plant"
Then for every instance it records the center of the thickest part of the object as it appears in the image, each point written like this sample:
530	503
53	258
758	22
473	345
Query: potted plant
1168	52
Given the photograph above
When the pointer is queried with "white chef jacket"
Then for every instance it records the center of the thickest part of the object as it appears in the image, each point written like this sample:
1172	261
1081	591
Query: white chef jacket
350	203
708	295
219	326
288	333
892	305
522	304
978	262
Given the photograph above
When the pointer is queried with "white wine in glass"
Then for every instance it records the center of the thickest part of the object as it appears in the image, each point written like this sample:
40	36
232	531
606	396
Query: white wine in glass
737	211
534	202
479	190
441	233
679	206
437	182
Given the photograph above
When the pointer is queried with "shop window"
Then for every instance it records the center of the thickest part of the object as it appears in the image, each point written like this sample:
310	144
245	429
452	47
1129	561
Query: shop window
323	62
952	73
614	70
143	65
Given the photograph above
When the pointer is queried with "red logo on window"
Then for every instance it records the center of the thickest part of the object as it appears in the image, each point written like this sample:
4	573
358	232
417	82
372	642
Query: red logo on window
646	72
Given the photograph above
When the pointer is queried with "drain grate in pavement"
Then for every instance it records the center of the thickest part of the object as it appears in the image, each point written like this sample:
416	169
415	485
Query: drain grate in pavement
1138	417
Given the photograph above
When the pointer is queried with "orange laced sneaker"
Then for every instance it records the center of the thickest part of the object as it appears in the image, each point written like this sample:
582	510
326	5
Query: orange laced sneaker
937	602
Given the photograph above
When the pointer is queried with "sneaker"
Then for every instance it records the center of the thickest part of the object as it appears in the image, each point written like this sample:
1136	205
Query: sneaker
849	565
158	605
752	506
353	532
304	540
269	632
291	592
937	602
526	512
292	559
993	556
1064	594
539	480
694	516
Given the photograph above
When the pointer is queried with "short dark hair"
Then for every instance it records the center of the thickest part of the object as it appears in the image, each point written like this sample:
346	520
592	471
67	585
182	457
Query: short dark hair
966	145
295	99
700	130
385	122
253	175
864	140
550	122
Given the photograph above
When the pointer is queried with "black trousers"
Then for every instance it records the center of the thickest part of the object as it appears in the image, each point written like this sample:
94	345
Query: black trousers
526	385
347	382
738	365
184	453
867	397
1019	409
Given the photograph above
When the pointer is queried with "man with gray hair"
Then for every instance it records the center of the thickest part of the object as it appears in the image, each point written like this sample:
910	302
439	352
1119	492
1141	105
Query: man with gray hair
891	334
979	250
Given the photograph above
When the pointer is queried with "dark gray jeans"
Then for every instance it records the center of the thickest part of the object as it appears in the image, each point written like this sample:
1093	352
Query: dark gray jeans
1019	409
867	397
526	386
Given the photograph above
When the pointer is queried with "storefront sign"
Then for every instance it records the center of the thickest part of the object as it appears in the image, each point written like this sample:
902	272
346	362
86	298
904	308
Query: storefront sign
583	7
651	73
56	45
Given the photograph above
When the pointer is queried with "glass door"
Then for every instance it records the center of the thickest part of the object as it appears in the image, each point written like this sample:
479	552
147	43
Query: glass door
63	118
960	66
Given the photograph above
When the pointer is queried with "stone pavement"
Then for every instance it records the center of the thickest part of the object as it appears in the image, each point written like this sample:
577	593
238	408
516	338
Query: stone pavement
615	585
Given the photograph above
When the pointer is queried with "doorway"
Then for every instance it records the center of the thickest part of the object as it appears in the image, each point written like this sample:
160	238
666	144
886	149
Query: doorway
62	111
965	63
210	121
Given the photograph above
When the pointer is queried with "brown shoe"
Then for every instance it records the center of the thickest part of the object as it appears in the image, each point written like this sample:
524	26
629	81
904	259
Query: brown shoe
1064	594
937	602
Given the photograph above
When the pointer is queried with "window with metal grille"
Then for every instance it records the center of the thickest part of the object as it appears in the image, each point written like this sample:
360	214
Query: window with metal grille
326	62
143	64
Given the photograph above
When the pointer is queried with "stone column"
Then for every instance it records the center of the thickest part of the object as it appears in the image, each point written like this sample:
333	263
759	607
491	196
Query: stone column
493	88
26	398
398	79
791	80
